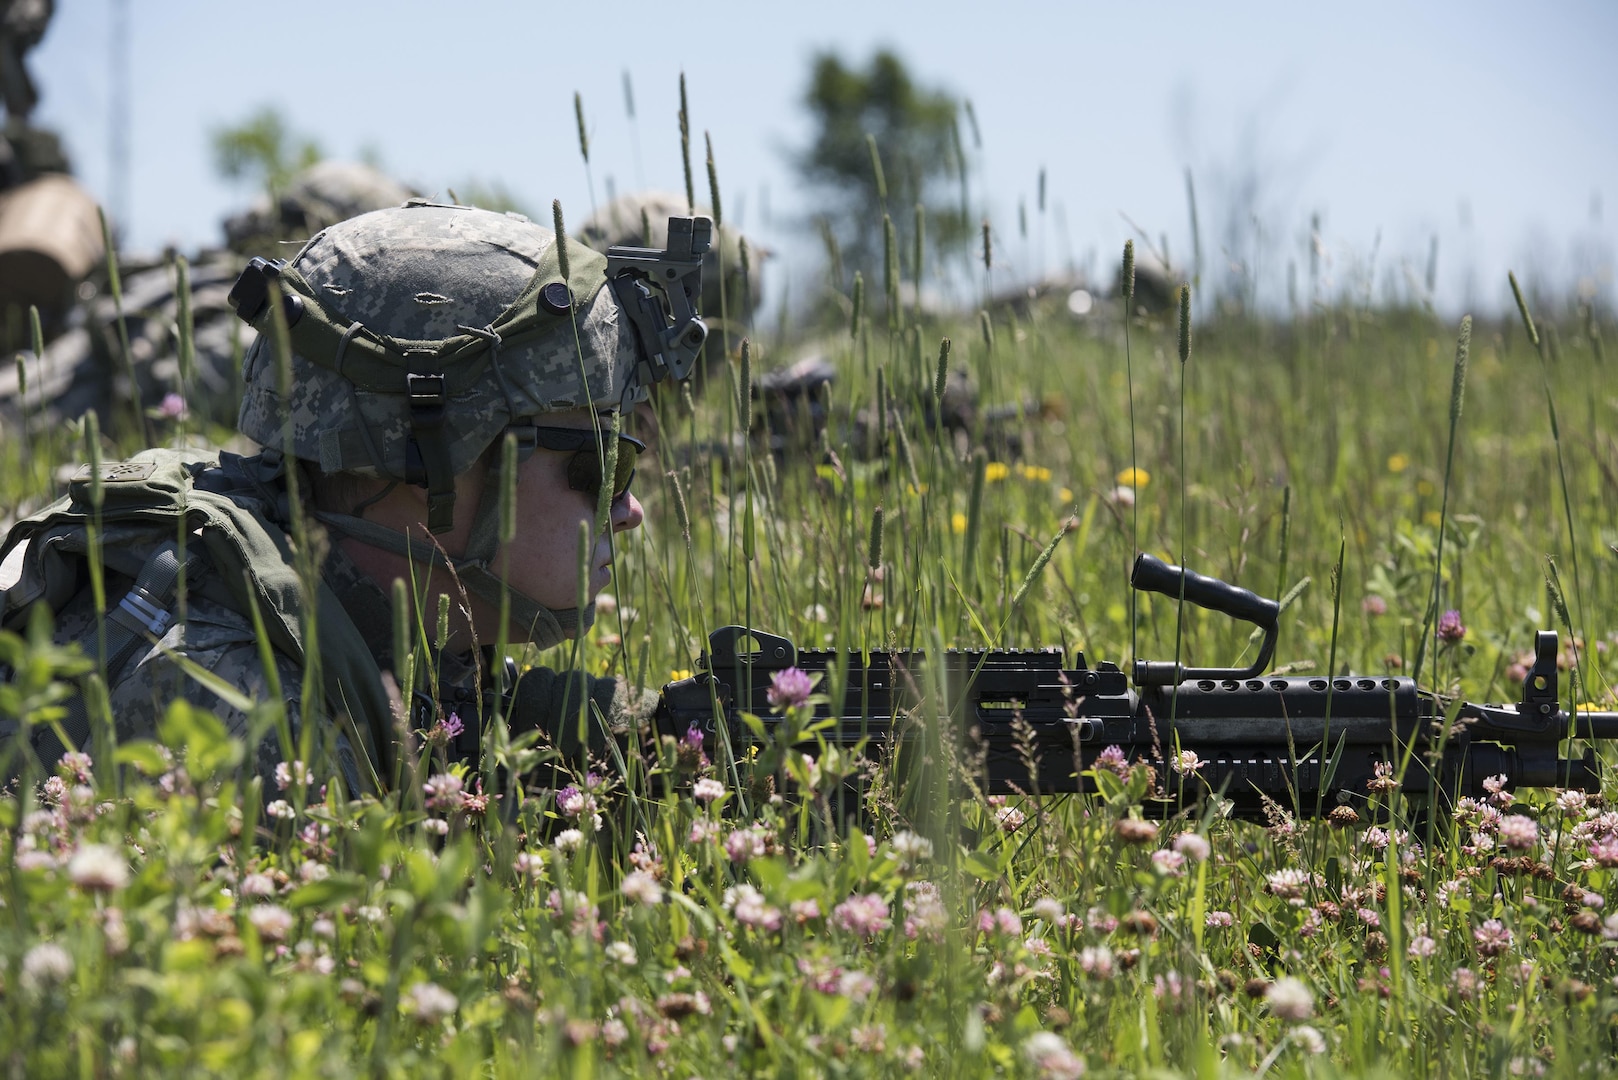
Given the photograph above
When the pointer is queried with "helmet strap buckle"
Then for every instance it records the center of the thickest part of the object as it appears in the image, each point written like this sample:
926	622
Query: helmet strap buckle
428	396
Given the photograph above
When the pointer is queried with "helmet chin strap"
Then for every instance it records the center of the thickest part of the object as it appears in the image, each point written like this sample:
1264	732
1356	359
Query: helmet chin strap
545	626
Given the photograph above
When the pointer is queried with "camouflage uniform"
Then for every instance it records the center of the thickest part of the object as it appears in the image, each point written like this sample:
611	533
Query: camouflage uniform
223	641
473	305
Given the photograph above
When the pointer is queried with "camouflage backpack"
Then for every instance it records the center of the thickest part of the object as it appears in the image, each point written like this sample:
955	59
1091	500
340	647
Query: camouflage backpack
229	512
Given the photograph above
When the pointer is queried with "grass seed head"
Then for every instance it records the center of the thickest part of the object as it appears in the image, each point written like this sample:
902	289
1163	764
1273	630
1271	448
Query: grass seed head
1129	277
859	305
713	181
685	147
876	167
584	137
561	237
1522	309
1185	321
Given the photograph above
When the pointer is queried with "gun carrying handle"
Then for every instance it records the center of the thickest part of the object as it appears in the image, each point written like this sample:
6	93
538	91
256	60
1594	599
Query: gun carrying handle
1154	575
1151	574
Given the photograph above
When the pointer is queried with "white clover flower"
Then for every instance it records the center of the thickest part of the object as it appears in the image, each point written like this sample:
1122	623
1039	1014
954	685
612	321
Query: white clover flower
280	808
35	860
1310	1040
569	840
98	868
642	888
1193	846
286	775
1290	999
621	952
114	931
1518	832
444	791
429	1002
1288	884
46	965
1096	960
1051	1056
272	921
256	885
1050	909
1422	946
707	790
1009	818
912	847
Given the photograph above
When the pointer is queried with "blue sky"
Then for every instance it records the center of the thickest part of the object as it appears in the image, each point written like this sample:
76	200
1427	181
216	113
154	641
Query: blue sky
1486	124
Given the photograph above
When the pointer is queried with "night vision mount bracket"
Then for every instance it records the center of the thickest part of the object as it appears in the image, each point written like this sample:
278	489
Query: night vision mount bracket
658	290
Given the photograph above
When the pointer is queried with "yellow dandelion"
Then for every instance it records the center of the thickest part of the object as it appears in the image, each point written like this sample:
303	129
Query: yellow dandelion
1134	478
1033	472
1117	612
679	673
1398	463
1065	495
996	470
1433	518
825	472
957	522
1425	487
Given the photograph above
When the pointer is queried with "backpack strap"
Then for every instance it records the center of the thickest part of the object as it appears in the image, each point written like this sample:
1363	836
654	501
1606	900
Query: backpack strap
141	617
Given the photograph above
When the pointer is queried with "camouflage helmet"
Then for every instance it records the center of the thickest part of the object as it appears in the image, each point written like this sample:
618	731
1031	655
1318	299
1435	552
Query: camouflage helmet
420	334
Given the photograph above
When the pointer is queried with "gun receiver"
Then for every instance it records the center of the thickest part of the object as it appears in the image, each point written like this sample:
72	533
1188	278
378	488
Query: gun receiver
1312	743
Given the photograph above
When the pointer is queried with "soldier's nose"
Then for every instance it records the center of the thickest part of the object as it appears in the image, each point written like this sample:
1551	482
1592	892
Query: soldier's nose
627	512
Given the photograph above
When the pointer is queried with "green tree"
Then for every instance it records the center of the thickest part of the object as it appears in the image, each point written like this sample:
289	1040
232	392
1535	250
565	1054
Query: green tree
914	129
262	149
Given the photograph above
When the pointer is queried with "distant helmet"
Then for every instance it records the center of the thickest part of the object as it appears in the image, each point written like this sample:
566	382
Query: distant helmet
419	335
641	218
317	197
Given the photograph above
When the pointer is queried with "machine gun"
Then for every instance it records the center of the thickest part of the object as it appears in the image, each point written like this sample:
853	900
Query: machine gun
1304	743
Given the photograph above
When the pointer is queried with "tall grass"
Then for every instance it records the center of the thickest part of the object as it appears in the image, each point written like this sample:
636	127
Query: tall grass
730	918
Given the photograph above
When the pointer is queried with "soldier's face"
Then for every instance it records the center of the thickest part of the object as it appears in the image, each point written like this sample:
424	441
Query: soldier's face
544	555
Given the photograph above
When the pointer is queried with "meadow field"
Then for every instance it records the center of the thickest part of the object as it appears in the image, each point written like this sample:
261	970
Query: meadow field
1412	494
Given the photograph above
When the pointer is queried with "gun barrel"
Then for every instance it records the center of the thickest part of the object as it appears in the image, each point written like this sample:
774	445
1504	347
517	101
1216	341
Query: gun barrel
1593	725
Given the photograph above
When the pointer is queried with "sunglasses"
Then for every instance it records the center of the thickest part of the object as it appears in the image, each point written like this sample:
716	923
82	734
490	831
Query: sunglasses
585	466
